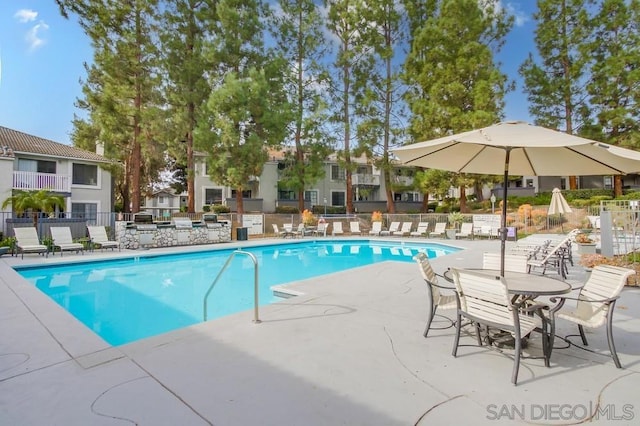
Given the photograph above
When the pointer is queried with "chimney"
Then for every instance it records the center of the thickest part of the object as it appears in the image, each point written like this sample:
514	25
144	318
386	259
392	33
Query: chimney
99	148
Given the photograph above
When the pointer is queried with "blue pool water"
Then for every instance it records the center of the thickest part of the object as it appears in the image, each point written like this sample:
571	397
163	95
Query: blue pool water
129	299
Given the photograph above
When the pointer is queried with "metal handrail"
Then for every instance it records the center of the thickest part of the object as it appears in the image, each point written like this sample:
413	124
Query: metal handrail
256	318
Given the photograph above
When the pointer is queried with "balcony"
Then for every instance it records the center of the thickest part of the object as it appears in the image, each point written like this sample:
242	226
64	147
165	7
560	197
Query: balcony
29	181
361	179
403	180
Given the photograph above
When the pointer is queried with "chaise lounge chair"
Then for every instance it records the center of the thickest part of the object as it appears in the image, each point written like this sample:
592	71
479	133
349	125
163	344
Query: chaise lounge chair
62	239
98	235
27	241
439	230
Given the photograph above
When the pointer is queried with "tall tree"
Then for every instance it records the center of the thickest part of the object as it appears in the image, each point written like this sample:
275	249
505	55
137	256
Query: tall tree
187	28
555	87
379	104
614	87
121	97
347	24
297	29
454	82
247	111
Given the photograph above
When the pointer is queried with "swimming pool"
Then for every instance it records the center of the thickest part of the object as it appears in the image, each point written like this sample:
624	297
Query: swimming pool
124	300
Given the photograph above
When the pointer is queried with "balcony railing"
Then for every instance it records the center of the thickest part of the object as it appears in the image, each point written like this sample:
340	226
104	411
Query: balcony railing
403	180
27	181
365	179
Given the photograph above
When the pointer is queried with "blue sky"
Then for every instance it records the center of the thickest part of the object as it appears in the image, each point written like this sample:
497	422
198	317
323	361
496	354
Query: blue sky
42	57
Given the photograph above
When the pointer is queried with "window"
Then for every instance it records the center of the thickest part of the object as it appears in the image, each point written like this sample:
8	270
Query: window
85	174
529	183
245	194
285	194
608	182
87	211
337	173
338	198
40	166
311	196
213	196
162	199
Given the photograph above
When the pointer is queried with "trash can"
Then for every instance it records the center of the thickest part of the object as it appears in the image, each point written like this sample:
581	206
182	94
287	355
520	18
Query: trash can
242	234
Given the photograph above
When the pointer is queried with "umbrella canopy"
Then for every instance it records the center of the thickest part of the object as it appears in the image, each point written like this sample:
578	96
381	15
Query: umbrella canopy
558	204
518	148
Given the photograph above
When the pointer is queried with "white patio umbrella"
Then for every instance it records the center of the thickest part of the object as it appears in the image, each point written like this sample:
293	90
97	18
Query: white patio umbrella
558	205
518	148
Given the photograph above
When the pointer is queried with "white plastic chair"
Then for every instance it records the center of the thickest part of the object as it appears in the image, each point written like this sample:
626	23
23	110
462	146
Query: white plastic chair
421	231
404	230
376	228
439	230
466	230
337	229
394	227
354	228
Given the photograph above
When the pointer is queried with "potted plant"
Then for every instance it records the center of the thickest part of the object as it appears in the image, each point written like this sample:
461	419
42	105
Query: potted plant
454	219
586	244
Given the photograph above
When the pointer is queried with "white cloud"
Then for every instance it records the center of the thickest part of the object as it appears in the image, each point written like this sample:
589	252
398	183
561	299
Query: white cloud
34	35
520	17
26	15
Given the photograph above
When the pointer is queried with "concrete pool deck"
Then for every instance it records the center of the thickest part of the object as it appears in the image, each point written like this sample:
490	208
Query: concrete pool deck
348	351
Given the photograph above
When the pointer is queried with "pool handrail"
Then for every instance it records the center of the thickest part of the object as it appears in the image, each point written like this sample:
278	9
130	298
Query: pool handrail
256	318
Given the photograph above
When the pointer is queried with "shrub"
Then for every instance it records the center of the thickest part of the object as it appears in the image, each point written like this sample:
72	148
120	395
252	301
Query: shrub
308	218
287	209
219	208
376	216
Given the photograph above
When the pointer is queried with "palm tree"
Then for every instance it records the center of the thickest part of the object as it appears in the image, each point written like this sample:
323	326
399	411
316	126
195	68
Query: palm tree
37	201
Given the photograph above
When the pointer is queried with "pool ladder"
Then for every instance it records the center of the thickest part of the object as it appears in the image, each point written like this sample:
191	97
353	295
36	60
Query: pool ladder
256	318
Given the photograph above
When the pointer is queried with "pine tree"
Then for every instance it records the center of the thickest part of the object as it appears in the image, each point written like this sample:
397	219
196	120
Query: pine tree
248	111
298	33
555	88
454	82
120	92
187	28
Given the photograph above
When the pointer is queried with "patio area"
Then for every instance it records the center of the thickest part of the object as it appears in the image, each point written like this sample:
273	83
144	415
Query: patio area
348	351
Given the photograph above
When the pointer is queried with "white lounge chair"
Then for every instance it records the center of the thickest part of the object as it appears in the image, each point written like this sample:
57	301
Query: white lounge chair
27	241
62	240
376	228
404	230
421	231
337	229
284	234
321	229
466	230
354	228
439	230
394	227
98	235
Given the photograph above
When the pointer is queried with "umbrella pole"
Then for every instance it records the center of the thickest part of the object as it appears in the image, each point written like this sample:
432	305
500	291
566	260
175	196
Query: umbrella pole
503	219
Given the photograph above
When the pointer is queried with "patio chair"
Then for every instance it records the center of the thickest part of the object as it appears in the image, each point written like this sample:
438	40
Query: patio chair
404	230
595	304
27	241
98	235
300	231
62	239
484	299
439	230
394	227
337	229
285	233
512	262
354	228
555	257
321	229
436	298
376	228
421	230
466	231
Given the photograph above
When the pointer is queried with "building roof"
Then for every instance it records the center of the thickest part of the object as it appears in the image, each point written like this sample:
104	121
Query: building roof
23	143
